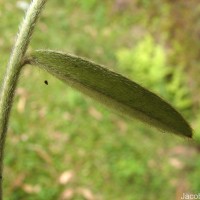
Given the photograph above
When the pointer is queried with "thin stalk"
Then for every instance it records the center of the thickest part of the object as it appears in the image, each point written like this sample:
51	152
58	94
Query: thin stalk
12	73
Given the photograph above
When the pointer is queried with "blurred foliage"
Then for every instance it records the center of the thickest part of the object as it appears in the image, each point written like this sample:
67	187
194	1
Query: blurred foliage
55	131
146	63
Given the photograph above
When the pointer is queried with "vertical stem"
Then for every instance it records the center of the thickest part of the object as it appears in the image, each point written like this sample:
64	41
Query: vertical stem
13	70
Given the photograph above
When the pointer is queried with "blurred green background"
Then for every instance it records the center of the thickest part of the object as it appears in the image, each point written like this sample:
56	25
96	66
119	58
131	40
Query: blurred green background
63	145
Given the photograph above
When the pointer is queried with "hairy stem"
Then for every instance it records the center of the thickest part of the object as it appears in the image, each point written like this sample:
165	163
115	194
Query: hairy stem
13	70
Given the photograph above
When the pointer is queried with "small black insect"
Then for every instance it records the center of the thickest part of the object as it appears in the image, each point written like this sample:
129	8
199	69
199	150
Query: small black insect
46	82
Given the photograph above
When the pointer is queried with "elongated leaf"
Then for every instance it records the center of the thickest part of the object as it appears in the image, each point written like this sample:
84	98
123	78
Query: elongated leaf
112	89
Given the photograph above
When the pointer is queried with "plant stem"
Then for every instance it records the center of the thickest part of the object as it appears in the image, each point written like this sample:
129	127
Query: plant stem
12	73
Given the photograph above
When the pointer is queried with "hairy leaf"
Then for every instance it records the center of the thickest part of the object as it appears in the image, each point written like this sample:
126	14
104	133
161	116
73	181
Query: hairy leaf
112	89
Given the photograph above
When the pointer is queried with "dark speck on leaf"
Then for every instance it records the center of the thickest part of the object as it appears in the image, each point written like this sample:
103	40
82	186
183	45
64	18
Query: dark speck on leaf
46	82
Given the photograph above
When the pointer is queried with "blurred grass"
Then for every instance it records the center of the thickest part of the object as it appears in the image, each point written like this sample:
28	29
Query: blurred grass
63	145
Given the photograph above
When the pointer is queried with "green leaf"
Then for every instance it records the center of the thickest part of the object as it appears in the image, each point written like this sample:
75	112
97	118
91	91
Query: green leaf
112	89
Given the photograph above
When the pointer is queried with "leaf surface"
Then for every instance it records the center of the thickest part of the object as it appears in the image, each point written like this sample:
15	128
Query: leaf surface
112	89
